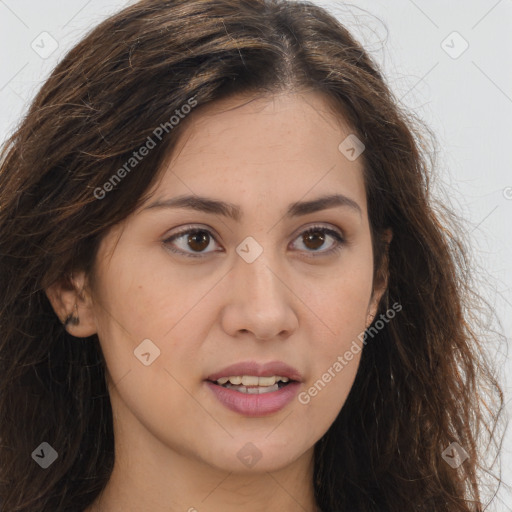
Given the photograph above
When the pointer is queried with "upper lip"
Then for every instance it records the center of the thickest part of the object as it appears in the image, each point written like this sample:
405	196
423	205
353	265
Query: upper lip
258	369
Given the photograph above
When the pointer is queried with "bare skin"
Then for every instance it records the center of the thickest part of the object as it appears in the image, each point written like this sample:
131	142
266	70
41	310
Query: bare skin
177	446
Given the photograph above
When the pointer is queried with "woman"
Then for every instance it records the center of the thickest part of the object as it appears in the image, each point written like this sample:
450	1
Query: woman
224	283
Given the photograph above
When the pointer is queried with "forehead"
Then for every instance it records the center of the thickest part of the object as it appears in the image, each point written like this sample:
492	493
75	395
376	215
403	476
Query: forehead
285	125
284	146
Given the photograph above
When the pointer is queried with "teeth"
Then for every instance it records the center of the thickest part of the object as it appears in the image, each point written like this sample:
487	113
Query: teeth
255	390
259	390
252	380
262	381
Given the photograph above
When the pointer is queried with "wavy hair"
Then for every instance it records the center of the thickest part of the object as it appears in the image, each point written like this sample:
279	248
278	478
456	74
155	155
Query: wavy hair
423	381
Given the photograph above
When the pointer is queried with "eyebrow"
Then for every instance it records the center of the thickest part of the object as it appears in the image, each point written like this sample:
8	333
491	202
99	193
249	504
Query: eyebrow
214	206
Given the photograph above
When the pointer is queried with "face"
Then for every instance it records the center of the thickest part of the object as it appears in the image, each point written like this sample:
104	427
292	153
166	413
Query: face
279	281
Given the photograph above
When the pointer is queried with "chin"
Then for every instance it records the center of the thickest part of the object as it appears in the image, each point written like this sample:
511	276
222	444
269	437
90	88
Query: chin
256	453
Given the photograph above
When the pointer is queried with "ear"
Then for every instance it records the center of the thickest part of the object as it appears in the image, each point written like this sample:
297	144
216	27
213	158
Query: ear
381	279
68	296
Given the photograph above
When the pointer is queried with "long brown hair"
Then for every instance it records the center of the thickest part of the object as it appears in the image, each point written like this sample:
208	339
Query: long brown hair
423	382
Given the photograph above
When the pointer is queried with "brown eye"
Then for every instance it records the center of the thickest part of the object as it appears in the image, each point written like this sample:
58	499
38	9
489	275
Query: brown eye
193	242
315	237
190	242
198	241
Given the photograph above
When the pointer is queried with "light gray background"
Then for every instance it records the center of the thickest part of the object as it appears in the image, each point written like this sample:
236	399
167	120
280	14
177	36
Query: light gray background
466	100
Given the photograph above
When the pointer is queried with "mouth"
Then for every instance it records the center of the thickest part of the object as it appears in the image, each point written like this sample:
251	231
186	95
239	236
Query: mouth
252	384
253	389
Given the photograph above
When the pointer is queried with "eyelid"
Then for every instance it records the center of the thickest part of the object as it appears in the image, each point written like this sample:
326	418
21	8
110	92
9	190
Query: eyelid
331	230
191	228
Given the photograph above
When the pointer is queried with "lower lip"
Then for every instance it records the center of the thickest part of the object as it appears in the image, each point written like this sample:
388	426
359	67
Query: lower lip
255	405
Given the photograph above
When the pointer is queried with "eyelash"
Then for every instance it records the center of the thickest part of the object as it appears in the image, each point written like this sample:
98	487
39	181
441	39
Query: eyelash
340	241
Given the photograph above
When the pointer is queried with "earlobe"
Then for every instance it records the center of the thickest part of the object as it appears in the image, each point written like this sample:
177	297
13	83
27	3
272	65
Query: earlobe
73	305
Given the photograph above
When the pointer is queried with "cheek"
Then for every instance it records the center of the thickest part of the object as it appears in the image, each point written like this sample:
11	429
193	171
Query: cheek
135	294
143	305
337	346
339	302
334	364
127	311
325	393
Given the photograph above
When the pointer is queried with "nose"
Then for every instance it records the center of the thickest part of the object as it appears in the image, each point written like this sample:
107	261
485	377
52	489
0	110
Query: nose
260	301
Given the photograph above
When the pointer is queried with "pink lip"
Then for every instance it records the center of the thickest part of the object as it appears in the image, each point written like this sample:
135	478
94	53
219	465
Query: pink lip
260	370
256	405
